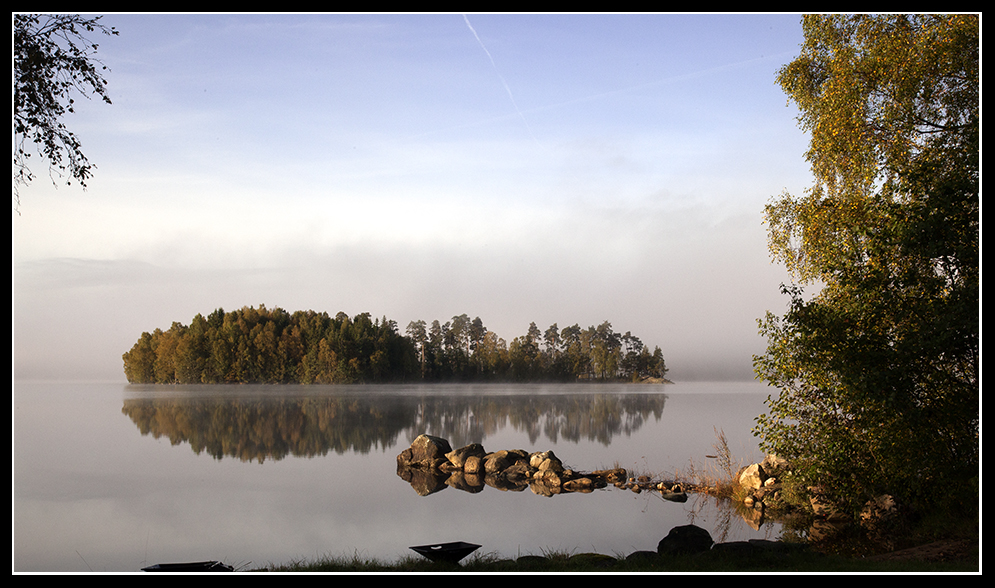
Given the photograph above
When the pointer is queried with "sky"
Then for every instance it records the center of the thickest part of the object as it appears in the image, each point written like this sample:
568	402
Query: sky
568	169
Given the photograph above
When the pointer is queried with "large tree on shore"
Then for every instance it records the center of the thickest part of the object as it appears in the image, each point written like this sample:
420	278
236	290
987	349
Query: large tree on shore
53	63
878	372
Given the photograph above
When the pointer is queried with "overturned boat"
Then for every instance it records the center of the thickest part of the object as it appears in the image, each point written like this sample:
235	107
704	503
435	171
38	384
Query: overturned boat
446	552
197	566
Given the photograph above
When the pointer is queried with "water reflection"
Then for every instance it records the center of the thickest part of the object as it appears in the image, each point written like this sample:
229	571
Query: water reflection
259	423
88	485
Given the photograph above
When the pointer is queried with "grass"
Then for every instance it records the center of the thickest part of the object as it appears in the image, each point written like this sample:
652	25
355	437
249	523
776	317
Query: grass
801	561
718	478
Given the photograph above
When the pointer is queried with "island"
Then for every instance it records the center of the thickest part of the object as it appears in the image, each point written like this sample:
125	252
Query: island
273	346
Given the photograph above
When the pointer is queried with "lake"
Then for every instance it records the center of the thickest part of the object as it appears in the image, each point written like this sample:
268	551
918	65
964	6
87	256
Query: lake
110	477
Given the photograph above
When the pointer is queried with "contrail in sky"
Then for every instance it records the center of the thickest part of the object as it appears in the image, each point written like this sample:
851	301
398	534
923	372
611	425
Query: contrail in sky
494	65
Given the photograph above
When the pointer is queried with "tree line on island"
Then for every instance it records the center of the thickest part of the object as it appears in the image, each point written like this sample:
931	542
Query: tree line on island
273	346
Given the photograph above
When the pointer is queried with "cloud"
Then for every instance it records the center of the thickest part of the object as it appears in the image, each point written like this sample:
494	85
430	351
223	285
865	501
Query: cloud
690	283
367	168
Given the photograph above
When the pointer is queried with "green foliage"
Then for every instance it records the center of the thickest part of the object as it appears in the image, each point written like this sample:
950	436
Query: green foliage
878	372
272	346
53	60
259	345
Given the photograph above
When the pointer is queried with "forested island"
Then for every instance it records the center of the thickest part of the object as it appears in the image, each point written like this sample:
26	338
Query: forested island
273	346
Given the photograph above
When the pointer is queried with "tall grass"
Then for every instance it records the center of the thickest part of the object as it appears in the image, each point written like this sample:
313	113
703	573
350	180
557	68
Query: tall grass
719	477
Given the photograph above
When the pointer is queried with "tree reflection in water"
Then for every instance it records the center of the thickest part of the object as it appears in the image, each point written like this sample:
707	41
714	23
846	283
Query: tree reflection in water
272	422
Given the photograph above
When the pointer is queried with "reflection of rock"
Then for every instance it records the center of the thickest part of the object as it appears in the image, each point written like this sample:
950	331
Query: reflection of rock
466	482
674	496
753	516
425	481
430	464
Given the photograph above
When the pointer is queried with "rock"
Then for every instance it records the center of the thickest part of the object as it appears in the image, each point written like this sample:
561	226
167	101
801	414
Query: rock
735	548
458	456
473	465
550	463
774	465
536	459
752	477
686	539
579	485
517	472
502	460
756	548
549	478
766	545
820	507
882	507
642	556
426	451
520	454
613	476
449	467
430	464
598	560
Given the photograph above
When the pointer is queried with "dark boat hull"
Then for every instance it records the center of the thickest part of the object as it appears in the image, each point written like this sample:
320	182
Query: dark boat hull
197	566
446	552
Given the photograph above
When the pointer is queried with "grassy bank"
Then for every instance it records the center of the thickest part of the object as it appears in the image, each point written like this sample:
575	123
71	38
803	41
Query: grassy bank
585	562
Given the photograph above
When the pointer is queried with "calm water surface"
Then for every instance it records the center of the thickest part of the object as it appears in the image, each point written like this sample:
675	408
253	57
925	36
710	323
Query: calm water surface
110	477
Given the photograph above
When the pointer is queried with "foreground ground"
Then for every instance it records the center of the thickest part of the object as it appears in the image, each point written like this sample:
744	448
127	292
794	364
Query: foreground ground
945	556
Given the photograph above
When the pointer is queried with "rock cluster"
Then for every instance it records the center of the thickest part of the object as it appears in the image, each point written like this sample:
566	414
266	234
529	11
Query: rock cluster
681	542
761	485
692	540
430	464
762	481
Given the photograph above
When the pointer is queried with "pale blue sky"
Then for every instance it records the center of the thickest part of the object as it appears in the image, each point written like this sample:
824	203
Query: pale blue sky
547	168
